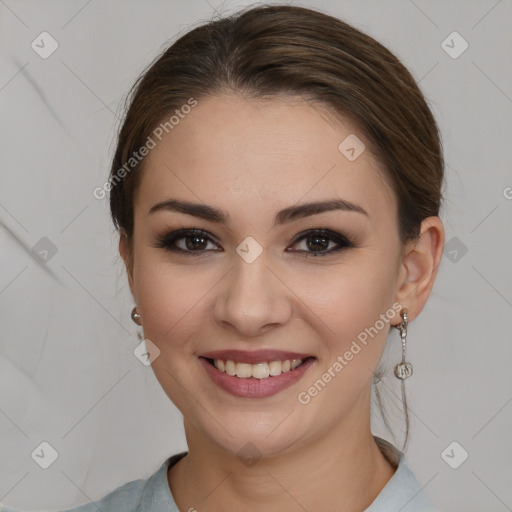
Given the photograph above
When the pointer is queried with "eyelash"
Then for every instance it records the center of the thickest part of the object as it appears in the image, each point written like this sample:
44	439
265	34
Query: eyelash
167	240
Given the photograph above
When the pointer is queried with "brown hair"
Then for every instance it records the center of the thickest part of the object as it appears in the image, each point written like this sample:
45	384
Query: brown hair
276	50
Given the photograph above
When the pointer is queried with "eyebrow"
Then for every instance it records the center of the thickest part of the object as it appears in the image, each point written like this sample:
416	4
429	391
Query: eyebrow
284	216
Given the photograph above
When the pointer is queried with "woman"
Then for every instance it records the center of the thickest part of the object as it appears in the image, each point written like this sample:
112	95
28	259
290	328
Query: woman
276	185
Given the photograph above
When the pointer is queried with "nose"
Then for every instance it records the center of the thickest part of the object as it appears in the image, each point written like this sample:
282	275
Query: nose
252	298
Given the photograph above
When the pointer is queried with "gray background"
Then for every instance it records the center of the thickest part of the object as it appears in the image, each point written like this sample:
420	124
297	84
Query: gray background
68	375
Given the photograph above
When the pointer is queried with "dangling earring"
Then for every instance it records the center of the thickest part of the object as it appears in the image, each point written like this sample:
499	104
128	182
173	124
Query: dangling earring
403	370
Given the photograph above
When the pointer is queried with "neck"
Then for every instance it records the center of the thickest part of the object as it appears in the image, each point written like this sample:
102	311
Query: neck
345	467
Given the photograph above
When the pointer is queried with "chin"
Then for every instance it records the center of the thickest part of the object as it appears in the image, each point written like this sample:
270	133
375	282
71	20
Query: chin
256	435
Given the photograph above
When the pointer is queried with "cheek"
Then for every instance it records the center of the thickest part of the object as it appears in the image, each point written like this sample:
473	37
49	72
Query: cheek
351	303
172	313
171	301
356	313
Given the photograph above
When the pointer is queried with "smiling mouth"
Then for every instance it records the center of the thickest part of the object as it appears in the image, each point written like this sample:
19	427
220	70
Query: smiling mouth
263	370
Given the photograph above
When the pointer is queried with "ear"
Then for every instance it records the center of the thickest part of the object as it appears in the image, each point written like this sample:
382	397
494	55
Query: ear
419	266
126	252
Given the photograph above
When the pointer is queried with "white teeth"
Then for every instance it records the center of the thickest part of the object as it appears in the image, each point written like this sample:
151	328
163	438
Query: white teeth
275	368
230	367
243	370
259	370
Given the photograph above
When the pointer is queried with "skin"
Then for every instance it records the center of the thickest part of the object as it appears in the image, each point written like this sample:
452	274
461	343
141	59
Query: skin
251	159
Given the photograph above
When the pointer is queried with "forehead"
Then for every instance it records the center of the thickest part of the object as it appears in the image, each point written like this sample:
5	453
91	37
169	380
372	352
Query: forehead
254	153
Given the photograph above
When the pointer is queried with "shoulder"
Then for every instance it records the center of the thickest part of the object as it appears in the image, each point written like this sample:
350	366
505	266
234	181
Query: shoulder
402	492
144	495
125	498
151	494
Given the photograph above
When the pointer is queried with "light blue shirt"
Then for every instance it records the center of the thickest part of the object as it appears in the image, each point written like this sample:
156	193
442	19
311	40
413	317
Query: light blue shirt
402	492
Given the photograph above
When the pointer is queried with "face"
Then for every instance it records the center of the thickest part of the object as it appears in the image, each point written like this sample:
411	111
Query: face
251	275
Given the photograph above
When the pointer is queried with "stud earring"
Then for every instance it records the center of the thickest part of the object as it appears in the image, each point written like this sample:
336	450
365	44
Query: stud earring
403	370
135	316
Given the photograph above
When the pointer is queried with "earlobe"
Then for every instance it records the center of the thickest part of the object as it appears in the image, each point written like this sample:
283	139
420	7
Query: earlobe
419	266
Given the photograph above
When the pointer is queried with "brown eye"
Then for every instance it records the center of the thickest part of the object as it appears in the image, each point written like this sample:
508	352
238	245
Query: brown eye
185	241
316	242
195	242
319	242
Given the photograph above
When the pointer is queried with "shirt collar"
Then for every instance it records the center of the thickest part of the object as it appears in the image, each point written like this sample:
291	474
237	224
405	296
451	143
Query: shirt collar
156	495
402	492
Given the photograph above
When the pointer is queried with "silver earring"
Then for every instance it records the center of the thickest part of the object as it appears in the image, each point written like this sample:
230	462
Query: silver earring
403	370
136	317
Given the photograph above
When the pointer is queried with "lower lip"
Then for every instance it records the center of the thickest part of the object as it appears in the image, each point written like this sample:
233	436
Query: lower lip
252	387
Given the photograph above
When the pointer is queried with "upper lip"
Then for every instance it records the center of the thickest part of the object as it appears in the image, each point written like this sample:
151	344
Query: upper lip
254	356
